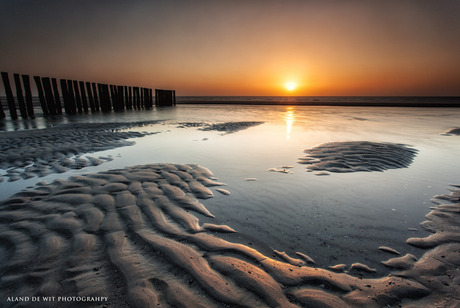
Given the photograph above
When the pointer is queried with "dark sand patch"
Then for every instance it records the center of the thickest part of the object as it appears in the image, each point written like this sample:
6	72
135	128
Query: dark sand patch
133	235
453	132
26	154
356	156
230	127
226	127
191	124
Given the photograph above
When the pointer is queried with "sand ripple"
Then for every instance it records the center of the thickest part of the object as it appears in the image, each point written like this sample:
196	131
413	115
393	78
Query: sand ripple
230	127
59	148
355	156
133	235
226	127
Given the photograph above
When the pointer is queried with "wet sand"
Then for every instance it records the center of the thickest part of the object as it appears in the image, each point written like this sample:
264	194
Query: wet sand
134	235
57	149
140	237
30	153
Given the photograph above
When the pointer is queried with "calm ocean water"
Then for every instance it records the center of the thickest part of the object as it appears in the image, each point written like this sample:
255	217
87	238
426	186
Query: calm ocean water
340	218
325	100
352	101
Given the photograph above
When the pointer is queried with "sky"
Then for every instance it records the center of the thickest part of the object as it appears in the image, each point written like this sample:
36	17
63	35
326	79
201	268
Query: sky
239	47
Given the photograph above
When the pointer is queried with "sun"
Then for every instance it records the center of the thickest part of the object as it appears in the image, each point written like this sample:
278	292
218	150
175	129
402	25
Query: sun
290	86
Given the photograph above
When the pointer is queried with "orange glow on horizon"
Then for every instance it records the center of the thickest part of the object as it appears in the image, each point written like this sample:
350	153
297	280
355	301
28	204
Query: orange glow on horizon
242	48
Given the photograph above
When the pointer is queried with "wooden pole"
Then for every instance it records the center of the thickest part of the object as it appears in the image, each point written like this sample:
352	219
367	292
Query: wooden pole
134	98
90	97
142	97
126	98
165	97
41	96
121	99
65	96
29	101
77	96
84	101
57	99
112	97
138	98
49	95
96	97
151	98
105	98
101	95
130	97
2	113
20	96
108	103
9	96
72	101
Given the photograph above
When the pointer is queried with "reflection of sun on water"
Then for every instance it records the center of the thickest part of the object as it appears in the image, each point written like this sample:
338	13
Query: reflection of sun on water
289	117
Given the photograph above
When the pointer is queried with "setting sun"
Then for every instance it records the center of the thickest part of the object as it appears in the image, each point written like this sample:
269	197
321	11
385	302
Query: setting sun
290	86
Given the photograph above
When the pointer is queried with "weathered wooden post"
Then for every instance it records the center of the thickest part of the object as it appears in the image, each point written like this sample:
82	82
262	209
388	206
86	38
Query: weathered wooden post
165	97
142	97
90	96
151	98
49	95
2	113
77	96
41	96
29	101
126	94
104	95
169	98
72	101
137	98
147	99
57	98
65	95
130	97
112	97
20	96
101	95
9	96
134	98
96	96
121	98
84	101
108	106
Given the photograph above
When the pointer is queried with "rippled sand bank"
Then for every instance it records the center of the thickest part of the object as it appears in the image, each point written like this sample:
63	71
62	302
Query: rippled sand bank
134	236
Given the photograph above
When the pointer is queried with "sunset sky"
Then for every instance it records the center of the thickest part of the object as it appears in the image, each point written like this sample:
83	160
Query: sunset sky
239	47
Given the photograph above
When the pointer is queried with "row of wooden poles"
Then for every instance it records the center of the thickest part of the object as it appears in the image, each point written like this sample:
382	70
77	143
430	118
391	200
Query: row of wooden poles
79	96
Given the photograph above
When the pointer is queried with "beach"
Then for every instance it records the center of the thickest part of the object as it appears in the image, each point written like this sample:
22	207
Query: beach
248	206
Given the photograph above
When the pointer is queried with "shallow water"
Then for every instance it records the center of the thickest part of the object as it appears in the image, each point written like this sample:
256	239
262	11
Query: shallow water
339	218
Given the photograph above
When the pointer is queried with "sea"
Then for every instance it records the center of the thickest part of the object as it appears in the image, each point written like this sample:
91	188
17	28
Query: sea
337	218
